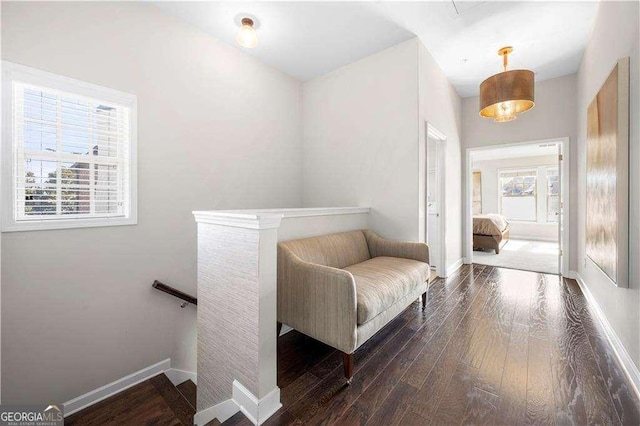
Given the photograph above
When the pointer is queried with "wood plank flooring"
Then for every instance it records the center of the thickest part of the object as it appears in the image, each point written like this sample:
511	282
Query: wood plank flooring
494	346
153	402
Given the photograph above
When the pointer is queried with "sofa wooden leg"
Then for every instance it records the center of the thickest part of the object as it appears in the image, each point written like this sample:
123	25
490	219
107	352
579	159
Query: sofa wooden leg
347	360
424	300
279	328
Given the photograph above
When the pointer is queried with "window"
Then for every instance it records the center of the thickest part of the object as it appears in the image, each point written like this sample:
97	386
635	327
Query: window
553	195
518	194
71	157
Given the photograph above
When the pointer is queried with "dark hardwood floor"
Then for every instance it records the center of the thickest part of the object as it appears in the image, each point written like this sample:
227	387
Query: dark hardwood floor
494	346
153	402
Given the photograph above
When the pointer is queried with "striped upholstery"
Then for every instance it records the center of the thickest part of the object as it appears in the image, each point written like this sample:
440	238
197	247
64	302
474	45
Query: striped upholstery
382	247
335	250
382	281
331	287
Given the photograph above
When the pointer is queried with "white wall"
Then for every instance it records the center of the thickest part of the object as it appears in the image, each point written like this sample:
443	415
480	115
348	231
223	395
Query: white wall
216	129
489	169
553	116
361	139
441	107
364	140
292	228
615	35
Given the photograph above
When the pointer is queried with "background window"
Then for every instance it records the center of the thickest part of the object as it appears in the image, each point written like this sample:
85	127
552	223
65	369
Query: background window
518	194
553	195
71	153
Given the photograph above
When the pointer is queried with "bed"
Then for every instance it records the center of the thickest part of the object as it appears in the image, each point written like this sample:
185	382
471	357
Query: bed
490	231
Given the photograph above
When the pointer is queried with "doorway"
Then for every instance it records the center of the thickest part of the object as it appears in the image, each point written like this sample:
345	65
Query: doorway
515	206
435	200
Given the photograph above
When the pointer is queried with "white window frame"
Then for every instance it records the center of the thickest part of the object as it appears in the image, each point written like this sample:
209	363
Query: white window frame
535	197
12	72
547	196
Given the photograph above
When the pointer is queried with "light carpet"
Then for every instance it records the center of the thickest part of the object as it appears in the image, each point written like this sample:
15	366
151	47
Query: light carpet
537	256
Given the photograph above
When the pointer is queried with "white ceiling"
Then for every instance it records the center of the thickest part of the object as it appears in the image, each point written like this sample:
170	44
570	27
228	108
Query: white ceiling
548	37
514	152
302	39
309	39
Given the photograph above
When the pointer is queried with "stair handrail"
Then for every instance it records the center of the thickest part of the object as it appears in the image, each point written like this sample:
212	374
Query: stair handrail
175	293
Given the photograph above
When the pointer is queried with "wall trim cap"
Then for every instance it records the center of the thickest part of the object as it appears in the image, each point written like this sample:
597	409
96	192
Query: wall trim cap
269	218
239	219
628	366
103	392
256	410
323	211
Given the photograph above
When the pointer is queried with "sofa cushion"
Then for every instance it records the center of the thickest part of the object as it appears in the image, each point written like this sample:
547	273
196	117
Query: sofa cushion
382	281
335	250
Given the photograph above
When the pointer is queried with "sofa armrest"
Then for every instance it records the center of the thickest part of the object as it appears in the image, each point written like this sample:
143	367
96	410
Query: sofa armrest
317	300
379	246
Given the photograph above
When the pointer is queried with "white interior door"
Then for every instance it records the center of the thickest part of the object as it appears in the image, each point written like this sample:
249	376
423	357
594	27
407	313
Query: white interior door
434	221
560	210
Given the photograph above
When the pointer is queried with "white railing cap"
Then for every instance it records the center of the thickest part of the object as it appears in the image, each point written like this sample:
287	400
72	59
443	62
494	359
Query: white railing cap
268	218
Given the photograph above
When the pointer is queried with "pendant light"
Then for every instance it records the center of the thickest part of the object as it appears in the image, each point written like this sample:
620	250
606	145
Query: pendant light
505	95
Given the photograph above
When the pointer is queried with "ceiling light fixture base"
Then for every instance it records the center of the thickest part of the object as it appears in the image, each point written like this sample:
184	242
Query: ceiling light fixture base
241	16
505	50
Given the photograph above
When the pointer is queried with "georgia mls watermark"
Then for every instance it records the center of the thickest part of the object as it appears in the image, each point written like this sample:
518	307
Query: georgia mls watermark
31	415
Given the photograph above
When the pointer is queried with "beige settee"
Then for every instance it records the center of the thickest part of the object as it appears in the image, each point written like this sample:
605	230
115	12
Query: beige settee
342	288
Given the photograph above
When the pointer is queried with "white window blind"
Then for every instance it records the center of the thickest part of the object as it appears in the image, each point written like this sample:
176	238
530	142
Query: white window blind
71	156
518	195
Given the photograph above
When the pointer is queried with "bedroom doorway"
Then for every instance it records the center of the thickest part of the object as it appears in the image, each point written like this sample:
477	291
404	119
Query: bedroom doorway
434	200
515	206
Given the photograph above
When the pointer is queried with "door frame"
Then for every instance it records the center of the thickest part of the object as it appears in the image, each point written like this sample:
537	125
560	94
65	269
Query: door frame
565	190
436	135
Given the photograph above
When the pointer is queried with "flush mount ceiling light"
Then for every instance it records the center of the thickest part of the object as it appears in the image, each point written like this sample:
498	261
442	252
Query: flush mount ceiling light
247	35
505	95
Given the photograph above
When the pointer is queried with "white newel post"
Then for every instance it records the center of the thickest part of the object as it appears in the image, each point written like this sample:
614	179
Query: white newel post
237	257
237	260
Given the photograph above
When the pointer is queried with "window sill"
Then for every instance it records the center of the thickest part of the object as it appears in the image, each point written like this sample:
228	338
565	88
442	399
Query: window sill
52	224
531	222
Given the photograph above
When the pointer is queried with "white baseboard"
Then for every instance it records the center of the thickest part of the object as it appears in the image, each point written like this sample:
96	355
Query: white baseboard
574	276
529	238
221	411
628	365
456	265
178	376
103	392
256	410
285	329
